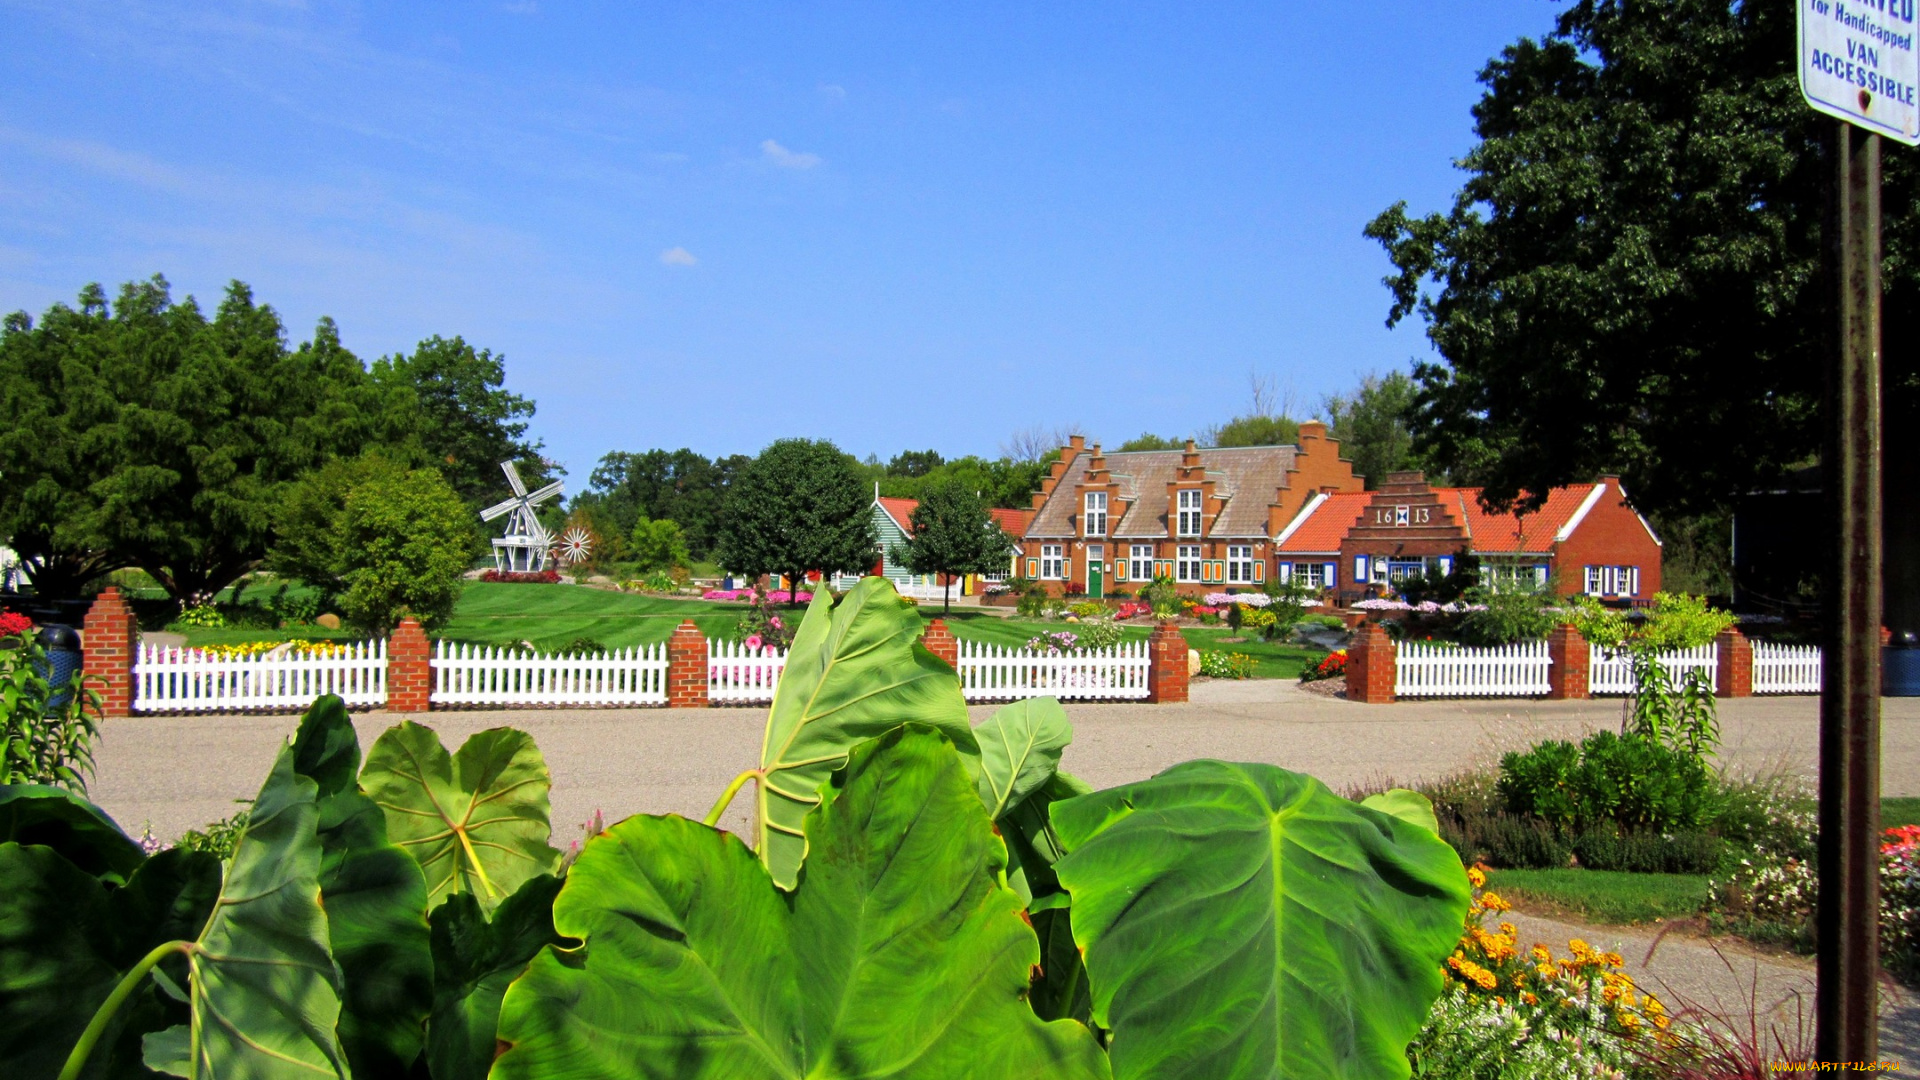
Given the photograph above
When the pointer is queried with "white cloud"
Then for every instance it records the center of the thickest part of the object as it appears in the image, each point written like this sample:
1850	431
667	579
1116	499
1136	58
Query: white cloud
677	256
788	159
833	92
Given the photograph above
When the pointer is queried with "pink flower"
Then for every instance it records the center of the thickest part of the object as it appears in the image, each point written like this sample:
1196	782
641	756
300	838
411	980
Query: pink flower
776	623
753	641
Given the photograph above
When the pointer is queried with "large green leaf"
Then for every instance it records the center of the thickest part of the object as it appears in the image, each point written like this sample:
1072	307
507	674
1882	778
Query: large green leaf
474	960
264	993
899	955
66	939
82	832
475	821
375	899
856	670
1059	987
1020	748
1407	805
1244	921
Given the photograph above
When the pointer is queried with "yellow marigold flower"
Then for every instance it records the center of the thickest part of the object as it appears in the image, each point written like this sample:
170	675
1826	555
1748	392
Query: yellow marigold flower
1509	929
1492	902
1476	876
1486	979
1614	959
1546	971
1653	1006
1578	947
1629	1021
1529	997
1543	954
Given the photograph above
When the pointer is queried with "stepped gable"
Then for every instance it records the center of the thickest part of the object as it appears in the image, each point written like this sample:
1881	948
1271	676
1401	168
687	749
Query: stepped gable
1406	516
1324	524
1532	534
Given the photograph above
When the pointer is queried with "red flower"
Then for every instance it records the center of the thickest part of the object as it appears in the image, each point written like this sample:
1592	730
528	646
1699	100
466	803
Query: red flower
12	622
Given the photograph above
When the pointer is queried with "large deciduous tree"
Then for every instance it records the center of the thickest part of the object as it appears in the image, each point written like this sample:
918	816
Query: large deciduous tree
798	507
953	534
446	404
1630	279
672	485
143	434
1373	426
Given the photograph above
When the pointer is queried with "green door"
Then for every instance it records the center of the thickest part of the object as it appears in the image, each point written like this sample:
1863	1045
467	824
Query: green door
1096	572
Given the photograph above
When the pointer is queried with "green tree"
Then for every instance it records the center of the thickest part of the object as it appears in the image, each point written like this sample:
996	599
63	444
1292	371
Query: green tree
797	507
953	534
446	404
915	463
658	545
404	540
144	434
1629	280
1374	426
673	485
380	539
1147	440
1254	430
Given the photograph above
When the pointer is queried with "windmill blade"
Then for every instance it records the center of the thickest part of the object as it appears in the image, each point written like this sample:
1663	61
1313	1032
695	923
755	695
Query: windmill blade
547	492
513	478
498	509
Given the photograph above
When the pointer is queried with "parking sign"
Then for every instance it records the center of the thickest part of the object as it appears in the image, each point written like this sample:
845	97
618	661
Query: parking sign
1858	62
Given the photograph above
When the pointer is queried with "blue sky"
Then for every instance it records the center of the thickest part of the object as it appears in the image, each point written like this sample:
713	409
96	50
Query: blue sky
892	225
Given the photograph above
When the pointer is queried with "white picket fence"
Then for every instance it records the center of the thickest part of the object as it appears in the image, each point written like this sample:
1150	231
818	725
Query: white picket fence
1610	672
489	675
1786	669
996	673
1429	669
172	679
737	674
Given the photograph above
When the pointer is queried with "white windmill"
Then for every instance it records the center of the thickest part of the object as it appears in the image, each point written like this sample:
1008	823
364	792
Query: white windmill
524	548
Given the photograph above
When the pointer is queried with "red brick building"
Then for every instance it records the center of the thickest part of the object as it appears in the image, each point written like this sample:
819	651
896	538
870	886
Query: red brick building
1205	518
1586	539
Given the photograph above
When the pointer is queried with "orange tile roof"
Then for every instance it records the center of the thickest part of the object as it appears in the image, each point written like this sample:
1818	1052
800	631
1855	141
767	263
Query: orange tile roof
900	510
1328	524
1013	522
1497	534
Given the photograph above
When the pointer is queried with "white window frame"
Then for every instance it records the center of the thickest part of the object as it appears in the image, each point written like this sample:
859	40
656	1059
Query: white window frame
1190	503
1095	516
1362	569
1140	562
1613	581
1239	564
1313	575
1053	562
1187	564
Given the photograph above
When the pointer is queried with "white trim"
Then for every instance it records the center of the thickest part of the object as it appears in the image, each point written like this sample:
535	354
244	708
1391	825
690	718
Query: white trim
1580	515
1657	542
1300	518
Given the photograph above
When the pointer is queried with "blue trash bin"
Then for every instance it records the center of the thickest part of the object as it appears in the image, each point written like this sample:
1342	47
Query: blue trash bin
1900	666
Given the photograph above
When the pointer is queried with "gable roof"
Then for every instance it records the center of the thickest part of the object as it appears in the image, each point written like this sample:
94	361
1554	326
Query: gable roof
1013	522
1249	477
1509	534
1321	524
900	510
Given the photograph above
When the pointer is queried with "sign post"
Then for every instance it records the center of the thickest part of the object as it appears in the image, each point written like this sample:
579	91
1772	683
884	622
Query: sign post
1857	64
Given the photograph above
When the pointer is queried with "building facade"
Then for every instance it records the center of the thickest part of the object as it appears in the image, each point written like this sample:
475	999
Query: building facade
1587	538
1103	523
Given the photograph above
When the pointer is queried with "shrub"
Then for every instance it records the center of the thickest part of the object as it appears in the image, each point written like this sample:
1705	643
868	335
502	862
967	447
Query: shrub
215	838
1087	608
762	626
1055	641
46	735
1219	664
1605	847
1100	634
1163	596
657	545
202	616
1631	781
1331	622
402	545
293	607
1033	598
1504	618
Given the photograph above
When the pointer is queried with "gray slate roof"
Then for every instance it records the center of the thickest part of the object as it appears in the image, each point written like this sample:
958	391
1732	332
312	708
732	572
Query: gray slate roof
1250	477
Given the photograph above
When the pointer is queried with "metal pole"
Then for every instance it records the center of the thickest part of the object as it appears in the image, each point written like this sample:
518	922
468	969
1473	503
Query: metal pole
1848	921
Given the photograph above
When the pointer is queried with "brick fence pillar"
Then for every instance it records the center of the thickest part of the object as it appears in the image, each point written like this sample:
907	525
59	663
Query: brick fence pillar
108	641
1371	666
1571	660
1734	674
940	642
1166	665
409	669
687	667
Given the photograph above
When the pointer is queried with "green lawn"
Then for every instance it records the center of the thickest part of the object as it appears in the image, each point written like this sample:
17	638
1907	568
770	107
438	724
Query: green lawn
1897	812
1603	896
554	616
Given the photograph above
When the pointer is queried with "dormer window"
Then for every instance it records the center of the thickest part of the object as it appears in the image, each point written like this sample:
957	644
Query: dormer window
1189	520
1096	513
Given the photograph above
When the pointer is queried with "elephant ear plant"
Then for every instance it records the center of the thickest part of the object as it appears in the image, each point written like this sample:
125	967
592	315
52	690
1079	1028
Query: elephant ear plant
916	898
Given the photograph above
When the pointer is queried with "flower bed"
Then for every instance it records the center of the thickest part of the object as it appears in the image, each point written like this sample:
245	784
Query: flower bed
1331	666
778	596
523	577
12	622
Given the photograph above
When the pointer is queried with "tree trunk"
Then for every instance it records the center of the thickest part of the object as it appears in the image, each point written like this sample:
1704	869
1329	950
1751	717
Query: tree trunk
946	595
